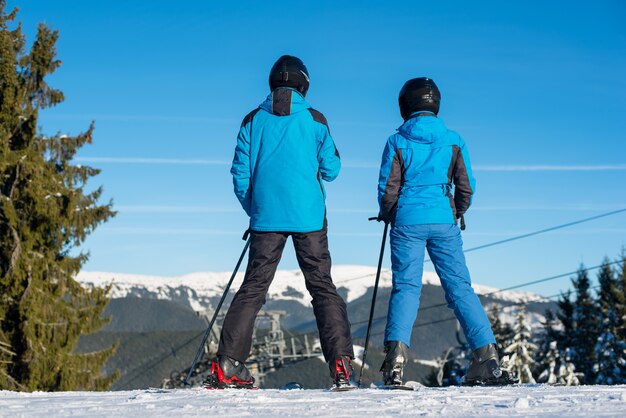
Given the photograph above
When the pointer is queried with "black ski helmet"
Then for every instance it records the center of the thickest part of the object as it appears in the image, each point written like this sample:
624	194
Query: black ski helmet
419	94
289	71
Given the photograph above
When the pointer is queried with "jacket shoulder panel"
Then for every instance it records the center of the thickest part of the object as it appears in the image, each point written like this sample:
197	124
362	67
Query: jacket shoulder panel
249	117
318	117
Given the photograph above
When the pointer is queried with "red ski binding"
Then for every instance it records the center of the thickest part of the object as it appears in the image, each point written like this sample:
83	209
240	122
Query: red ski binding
217	380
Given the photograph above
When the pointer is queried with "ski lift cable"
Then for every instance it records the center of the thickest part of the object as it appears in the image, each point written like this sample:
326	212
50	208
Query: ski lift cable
517	286
453	318
515	238
146	367
543	231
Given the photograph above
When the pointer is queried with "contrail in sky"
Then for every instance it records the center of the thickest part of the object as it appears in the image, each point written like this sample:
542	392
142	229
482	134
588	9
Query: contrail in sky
608	167
133	160
351	164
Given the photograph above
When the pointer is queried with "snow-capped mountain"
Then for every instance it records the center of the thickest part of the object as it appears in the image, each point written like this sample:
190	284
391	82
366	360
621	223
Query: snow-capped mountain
197	289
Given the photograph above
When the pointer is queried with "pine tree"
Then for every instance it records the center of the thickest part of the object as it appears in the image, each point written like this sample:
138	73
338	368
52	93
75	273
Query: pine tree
501	330
610	364
620	296
586	325
551	365
521	349
45	212
565	315
548	359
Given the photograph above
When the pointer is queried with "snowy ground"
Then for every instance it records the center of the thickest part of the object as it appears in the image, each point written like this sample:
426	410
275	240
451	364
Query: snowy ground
532	400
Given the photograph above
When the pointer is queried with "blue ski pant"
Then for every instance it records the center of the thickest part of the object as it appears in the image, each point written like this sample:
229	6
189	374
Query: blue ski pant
445	248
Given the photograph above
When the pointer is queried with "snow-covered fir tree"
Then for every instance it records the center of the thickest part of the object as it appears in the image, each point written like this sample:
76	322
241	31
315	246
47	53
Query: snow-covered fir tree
565	315
548	362
586	326
521	349
501	330
610	365
570	376
553	367
620	295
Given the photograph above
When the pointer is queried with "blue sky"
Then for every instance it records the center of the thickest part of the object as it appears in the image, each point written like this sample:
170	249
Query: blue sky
537	90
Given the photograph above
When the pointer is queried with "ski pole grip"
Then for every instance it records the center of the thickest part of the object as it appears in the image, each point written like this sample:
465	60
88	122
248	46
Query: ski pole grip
246	235
373	218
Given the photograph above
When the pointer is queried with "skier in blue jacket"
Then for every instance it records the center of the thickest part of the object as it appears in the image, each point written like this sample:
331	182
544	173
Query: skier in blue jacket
284	153
425	187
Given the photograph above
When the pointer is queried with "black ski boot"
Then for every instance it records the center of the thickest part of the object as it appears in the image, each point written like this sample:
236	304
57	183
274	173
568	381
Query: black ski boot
394	362
486	369
342	373
228	373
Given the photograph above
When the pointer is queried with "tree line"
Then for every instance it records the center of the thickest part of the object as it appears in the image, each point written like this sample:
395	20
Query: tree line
583	342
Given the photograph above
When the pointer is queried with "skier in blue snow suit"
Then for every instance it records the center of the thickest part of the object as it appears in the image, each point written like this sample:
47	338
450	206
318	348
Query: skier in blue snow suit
284	153
425	187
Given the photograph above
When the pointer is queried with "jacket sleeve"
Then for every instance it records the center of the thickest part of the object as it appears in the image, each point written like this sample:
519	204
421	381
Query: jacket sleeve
241	168
327	156
464	182
390	181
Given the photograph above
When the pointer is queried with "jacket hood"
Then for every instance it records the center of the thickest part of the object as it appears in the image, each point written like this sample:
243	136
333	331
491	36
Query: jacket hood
284	101
423	129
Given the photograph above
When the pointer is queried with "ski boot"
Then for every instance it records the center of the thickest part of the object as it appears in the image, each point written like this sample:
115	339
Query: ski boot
228	373
486	369
342	373
394	362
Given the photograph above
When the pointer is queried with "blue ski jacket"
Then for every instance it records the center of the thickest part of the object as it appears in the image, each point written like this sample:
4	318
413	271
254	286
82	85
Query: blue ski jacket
284	151
425	174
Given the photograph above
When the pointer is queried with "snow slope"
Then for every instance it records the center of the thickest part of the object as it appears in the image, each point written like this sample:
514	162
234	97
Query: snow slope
528	401
196	289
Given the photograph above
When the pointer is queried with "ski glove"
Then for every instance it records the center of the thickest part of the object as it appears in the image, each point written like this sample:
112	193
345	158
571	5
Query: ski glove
380	218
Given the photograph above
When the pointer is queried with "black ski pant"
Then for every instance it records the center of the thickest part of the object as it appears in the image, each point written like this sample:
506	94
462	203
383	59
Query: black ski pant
266	249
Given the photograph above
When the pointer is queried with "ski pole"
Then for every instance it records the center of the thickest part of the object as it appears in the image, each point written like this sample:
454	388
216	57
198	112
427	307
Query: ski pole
219	306
369	323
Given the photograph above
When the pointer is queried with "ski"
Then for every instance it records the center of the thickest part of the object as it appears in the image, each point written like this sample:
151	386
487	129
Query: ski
395	387
410	385
232	388
504	380
345	388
